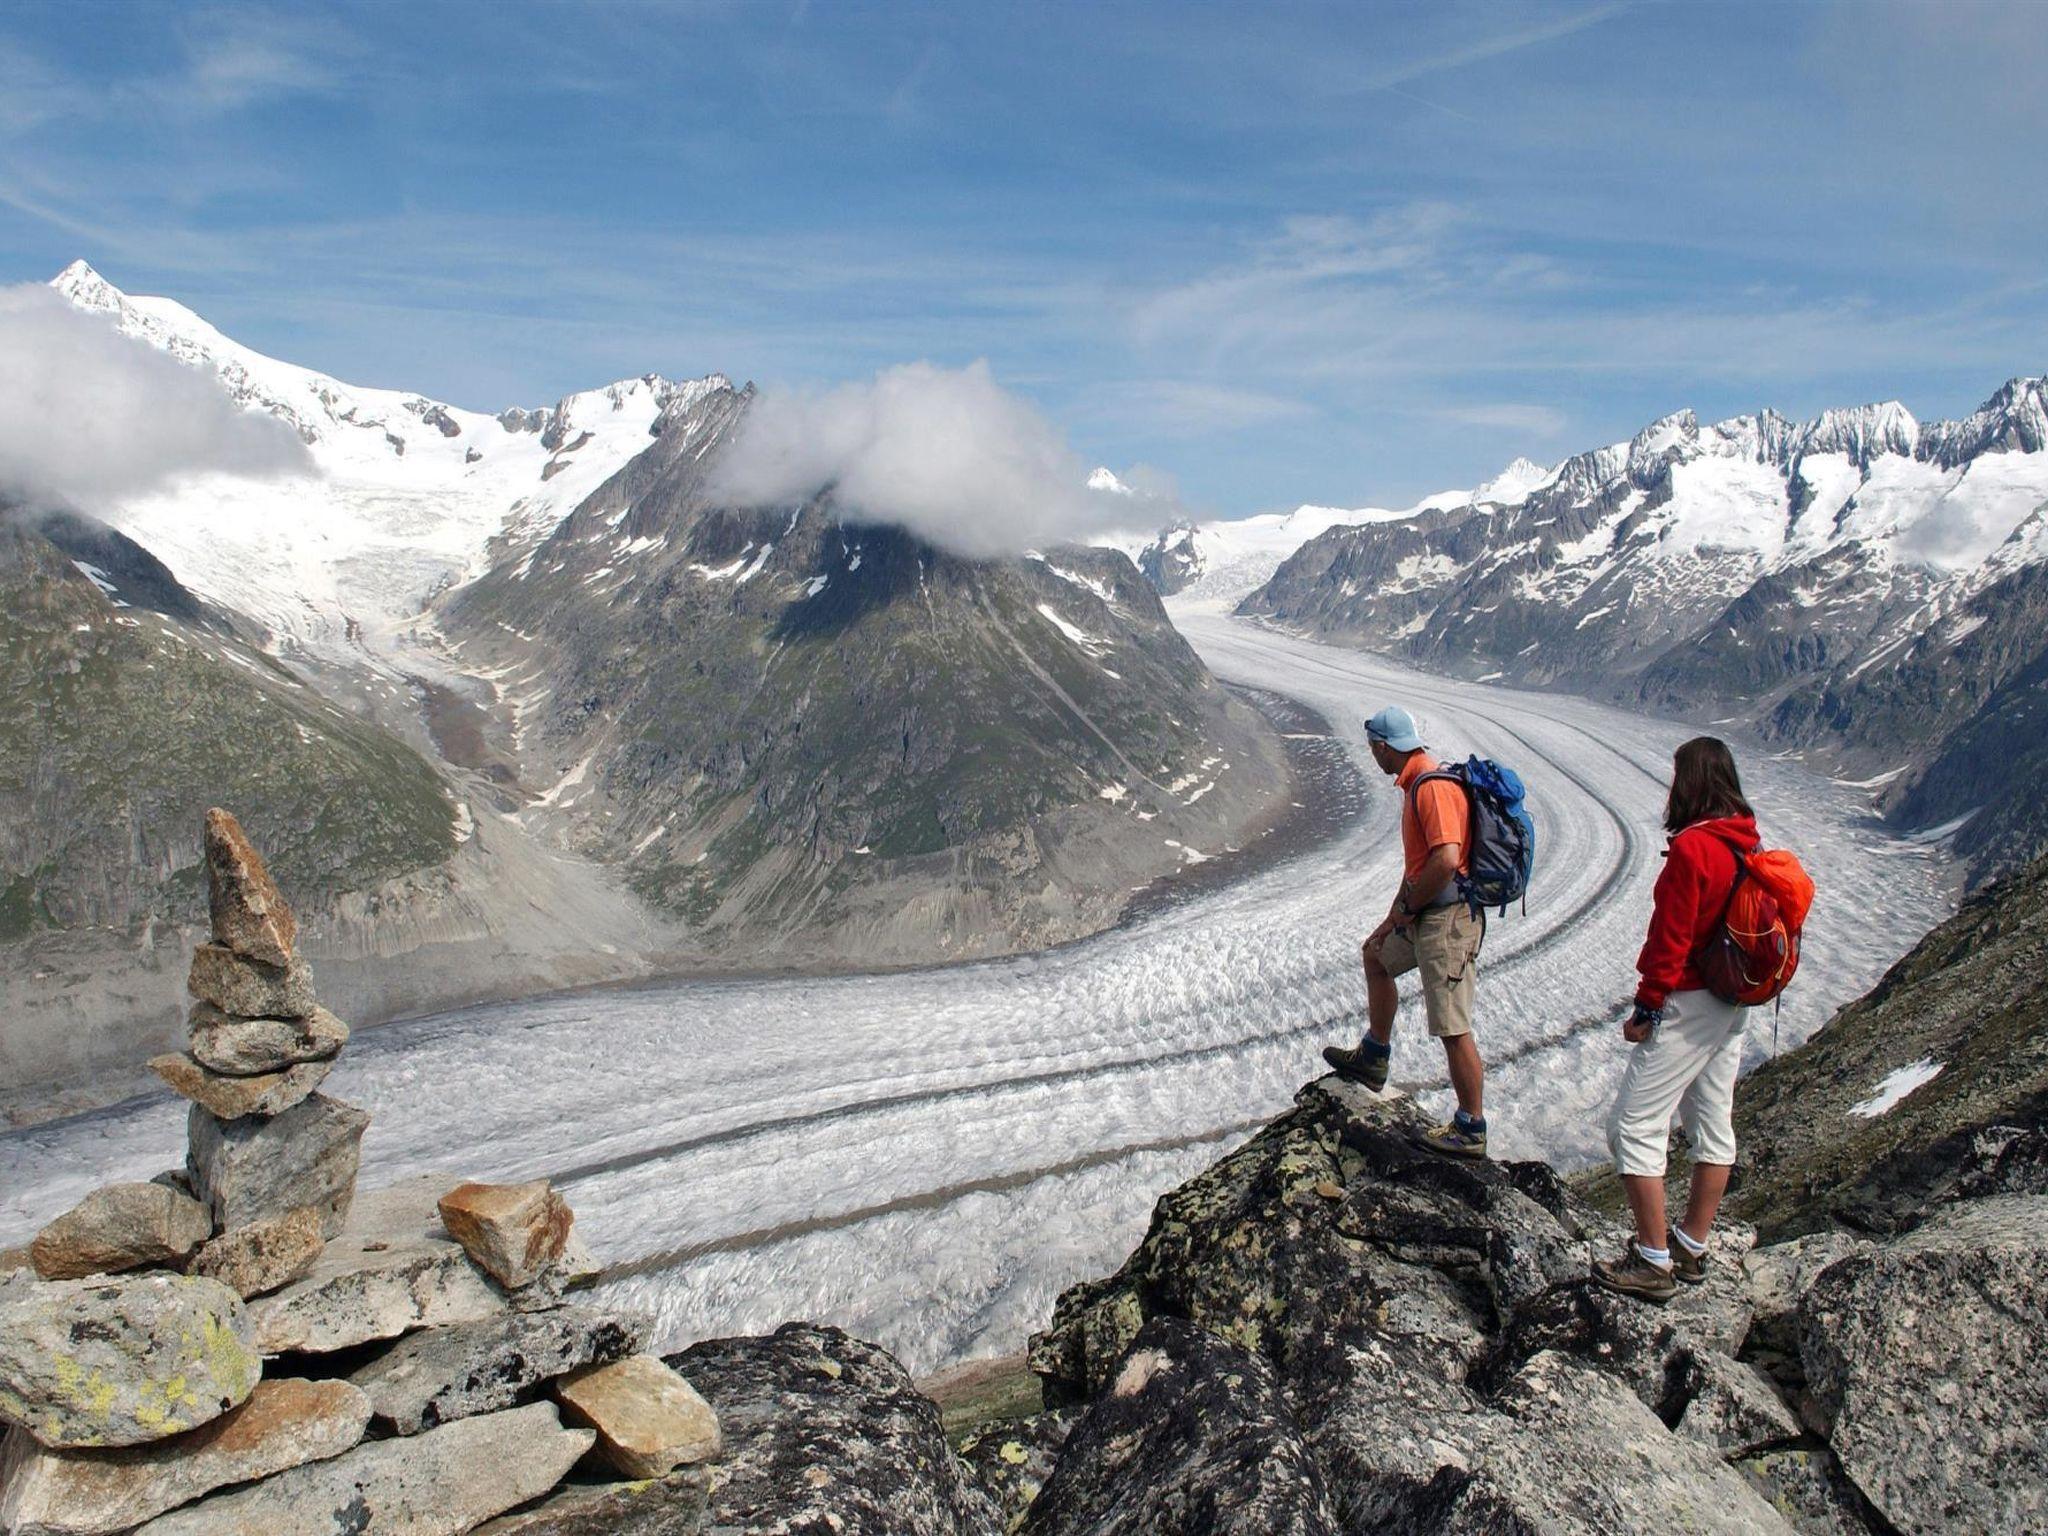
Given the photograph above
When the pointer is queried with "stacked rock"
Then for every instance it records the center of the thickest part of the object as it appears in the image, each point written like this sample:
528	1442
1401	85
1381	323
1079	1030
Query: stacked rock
440	1378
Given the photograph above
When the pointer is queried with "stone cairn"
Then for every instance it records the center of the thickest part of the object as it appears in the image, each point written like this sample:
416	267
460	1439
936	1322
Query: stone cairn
245	1347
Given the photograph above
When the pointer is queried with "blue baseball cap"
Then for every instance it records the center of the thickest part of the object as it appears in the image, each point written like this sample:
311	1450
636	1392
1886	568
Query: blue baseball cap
1396	727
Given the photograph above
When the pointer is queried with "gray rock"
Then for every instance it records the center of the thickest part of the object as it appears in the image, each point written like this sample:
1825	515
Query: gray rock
1562	1449
1733	1407
823	1432
230	1098
664	1506
1010	1462
388	1272
440	1375
120	1226
249	1047
253	1169
89	1493
249	989
1778	1279
1192	1435
446	1481
264	1257
1808	1489
122	1359
1923	1362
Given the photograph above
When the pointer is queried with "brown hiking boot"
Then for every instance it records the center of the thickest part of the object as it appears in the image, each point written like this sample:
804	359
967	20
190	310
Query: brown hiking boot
1634	1275
1687	1266
1453	1140
1364	1066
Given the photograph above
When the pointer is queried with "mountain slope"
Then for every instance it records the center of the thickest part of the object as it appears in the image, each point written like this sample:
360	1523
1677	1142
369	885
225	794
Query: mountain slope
1860	585
810	735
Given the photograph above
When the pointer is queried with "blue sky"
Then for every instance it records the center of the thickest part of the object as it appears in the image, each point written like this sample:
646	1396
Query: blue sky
1346	254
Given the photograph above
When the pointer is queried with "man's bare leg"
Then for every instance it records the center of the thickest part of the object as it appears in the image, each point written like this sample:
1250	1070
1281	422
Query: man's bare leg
1382	998
1468	1073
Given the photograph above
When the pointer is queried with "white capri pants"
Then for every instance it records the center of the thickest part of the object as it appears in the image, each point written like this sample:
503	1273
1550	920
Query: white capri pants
1688	1064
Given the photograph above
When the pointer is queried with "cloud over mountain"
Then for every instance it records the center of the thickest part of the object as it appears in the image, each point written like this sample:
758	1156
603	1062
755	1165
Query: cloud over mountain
948	454
93	416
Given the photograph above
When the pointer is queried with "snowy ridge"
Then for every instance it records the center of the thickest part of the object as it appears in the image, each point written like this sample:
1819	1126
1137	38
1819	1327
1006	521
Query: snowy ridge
408	493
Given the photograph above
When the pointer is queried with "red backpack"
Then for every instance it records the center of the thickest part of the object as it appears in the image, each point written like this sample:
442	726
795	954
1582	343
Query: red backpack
1753	951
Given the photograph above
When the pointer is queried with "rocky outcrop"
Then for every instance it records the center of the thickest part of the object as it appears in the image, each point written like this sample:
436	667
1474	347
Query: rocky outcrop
823	1432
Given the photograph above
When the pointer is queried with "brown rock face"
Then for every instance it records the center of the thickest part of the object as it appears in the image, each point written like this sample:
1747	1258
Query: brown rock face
266	1256
248	988
648	1419
122	1226
283	1424
512	1230
251	1047
250	915
267	1093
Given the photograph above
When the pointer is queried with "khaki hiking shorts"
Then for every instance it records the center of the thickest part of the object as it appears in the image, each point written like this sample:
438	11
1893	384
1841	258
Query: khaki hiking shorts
1443	945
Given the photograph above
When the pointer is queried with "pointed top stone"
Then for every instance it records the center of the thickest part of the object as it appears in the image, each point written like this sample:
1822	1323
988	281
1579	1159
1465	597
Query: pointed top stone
250	914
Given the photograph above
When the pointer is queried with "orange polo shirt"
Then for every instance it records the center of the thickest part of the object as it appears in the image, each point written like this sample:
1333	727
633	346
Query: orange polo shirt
1436	815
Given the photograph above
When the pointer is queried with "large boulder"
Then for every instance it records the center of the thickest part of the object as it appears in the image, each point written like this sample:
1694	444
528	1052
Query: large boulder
443	1482
121	1226
230	1098
515	1231
648	1419
1011	1462
823	1432
253	1169
1807	1487
440	1375
389	1271
663	1506
249	913
252	1047
283	1423
265	1256
122	1359
1193	1436
249	989
1923	1364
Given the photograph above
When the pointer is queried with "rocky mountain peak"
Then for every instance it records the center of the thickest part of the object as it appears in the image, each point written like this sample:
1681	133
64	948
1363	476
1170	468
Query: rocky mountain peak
2014	420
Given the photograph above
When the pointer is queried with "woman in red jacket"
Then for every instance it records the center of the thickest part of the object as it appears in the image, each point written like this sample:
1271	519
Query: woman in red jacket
1688	1043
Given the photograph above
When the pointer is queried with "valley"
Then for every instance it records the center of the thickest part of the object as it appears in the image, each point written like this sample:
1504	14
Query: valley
928	1157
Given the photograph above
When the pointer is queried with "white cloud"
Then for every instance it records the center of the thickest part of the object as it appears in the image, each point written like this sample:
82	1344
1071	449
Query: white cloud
1189	408
1510	416
948	454
89	416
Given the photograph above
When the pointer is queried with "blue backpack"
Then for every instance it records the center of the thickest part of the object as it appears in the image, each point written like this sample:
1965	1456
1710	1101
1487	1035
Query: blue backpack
1503	835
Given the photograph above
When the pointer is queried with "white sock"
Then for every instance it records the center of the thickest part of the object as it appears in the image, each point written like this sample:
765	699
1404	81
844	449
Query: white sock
1685	1241
1661	1257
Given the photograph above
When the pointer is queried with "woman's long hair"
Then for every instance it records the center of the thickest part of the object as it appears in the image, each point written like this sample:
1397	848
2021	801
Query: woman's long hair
1704	784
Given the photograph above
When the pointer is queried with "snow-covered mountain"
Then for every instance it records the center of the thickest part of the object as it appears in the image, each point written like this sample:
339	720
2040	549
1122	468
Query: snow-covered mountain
1225	558
1813	578
408	493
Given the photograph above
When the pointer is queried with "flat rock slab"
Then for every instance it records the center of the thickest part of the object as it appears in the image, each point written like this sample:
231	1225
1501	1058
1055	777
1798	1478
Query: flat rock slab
826	1433
265	1256
250	989
249	913
230	1098
121	1226
513	1230
441	1483
1924	1358
250	1047
283	1424
667	1506
253	1169
389	1271
122	1359
648	1419
440	1375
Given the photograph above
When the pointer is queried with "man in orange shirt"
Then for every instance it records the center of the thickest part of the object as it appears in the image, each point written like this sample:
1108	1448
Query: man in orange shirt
1430	929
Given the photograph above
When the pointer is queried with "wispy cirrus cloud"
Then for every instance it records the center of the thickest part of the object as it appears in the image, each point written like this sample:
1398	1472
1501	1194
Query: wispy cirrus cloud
1541	421
1180	408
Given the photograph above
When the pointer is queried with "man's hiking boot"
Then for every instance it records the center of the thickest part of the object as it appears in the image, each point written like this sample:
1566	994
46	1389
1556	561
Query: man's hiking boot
1634	1275
1454	1140
1688	1266
1365	1067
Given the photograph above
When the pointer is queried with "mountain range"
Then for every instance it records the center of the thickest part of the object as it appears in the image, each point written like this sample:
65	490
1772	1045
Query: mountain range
522	697
1862	587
